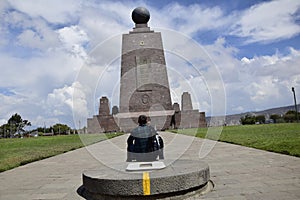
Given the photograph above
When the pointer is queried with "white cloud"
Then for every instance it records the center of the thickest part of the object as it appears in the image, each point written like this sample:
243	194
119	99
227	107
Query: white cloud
74	39
54	11
37	40
238	109
264	90
104	20
41	73
21	104
268	21
44	121
73	35
282	67
190	19
10	105
68	101
223	56
79	46
3	121
266	81
32	33
192	68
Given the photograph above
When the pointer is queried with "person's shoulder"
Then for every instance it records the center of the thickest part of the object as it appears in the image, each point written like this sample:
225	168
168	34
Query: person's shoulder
152	130
150	127
134	131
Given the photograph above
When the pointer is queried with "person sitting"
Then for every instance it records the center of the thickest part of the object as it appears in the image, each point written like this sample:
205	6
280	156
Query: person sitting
144	144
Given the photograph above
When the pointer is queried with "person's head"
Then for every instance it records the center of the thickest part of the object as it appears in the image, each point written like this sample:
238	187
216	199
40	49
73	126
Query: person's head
142	120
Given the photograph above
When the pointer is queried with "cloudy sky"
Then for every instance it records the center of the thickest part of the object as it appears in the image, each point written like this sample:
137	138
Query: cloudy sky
58	57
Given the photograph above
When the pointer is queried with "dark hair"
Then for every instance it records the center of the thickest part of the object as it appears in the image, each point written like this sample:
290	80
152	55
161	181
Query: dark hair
142	120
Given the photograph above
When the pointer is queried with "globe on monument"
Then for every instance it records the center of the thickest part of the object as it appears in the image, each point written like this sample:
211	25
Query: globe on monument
140	15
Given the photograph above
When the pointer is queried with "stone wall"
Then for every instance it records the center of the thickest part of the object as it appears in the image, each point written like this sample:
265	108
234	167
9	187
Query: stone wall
93	125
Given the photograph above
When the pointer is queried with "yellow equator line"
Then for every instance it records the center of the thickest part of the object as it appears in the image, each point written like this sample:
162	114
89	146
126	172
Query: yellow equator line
146	183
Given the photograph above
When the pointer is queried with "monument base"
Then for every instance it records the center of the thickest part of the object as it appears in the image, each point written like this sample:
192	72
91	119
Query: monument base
161	120
181	179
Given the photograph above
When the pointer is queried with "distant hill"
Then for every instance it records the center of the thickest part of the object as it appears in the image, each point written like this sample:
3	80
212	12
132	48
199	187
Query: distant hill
235	119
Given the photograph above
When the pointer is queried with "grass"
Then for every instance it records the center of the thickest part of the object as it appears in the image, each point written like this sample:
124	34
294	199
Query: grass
280	138
16	151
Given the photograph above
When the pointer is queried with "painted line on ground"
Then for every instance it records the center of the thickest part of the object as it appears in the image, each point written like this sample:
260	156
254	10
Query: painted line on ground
146	183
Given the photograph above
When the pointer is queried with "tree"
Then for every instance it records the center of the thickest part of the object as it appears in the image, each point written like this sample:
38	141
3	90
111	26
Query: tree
275	118
260	118
61	129
5	130
290	116
248	119
14	125
44	129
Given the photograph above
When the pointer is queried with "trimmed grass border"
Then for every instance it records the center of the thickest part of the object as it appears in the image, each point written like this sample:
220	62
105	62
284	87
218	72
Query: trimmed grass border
280	138
15	152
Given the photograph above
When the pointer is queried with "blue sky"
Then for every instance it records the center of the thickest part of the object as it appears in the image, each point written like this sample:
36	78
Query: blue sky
54	55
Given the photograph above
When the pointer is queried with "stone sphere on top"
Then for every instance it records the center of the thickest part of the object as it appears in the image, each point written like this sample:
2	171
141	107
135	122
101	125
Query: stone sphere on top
140	15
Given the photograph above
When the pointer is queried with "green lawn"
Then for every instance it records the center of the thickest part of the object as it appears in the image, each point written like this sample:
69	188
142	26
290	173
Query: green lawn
15	152
280	138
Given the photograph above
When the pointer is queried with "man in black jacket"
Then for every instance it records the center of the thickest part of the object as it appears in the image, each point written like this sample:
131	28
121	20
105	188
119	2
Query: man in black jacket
144	144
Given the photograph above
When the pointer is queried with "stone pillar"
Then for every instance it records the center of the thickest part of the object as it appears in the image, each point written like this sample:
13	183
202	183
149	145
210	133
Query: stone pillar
186	102
144	84
104	106
115	110
176	118
176	107
202	120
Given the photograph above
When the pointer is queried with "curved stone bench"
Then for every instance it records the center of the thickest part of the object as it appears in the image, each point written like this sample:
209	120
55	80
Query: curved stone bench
179	178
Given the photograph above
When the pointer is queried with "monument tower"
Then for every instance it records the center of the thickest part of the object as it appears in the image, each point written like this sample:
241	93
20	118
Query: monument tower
144	81
144	86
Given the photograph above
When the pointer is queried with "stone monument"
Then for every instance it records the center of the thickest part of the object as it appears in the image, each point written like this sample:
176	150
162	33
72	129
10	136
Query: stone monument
104	121
144	85
186	102
145	90
144	80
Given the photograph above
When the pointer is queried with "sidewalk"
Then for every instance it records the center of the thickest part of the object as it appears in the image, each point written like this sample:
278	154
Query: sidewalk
237	172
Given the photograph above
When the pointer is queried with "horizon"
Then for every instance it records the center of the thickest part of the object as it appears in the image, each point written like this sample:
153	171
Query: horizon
298	105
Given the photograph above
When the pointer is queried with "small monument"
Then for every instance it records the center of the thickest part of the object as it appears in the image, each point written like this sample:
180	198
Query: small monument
186	102
144	86
104	121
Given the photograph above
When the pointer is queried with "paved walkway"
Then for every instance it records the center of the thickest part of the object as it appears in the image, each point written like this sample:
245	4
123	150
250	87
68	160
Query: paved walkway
237	172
